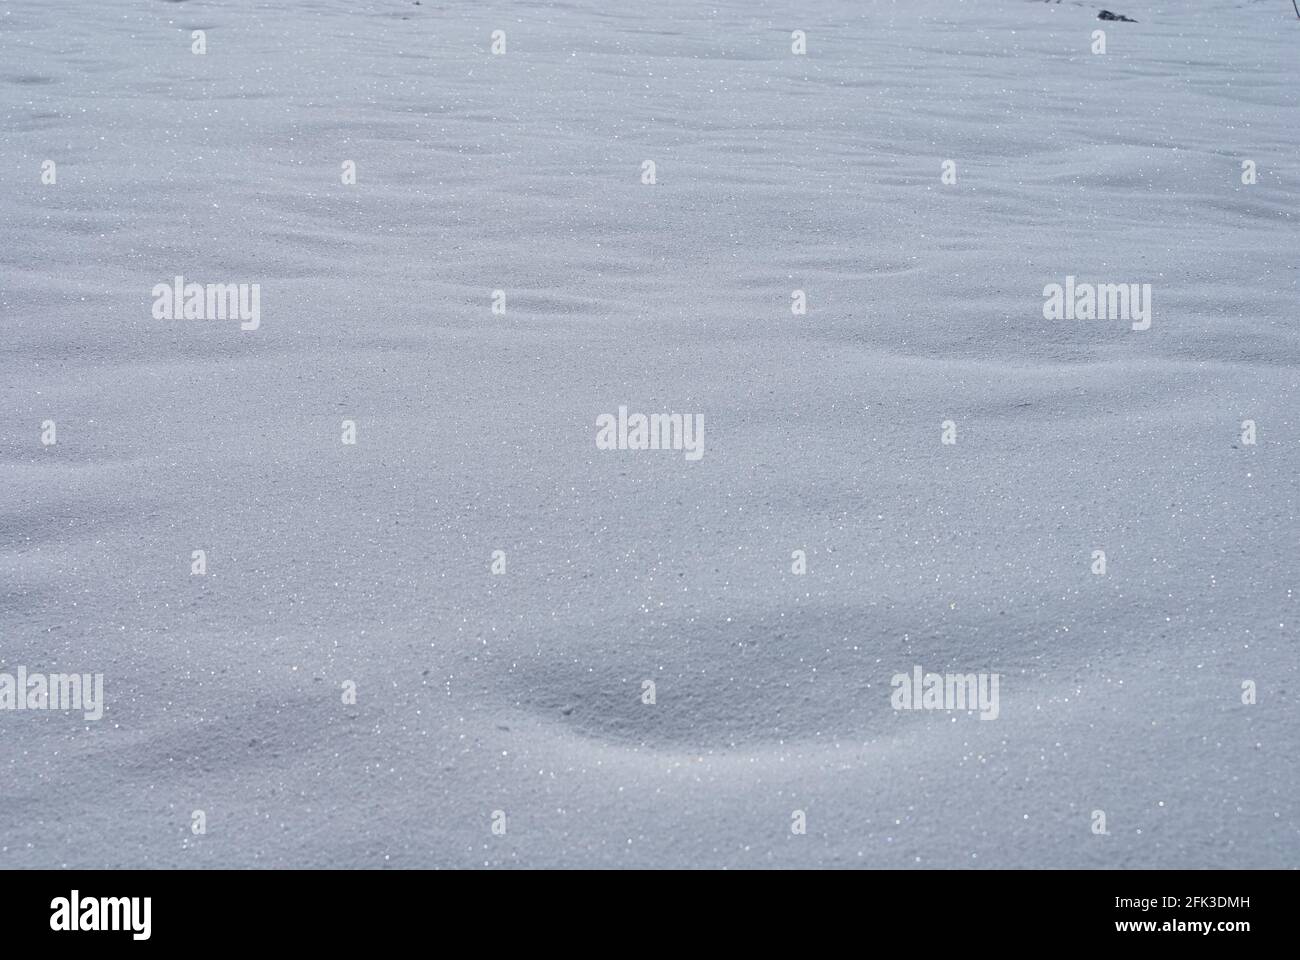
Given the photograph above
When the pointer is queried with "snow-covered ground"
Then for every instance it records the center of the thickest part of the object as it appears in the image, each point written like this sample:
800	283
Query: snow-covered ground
370	563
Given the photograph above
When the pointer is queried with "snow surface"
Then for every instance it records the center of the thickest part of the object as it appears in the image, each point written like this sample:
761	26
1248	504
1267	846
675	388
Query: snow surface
522	692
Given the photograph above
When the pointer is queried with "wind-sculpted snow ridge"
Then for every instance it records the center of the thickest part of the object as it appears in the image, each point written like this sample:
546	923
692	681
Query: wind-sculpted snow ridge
991	343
